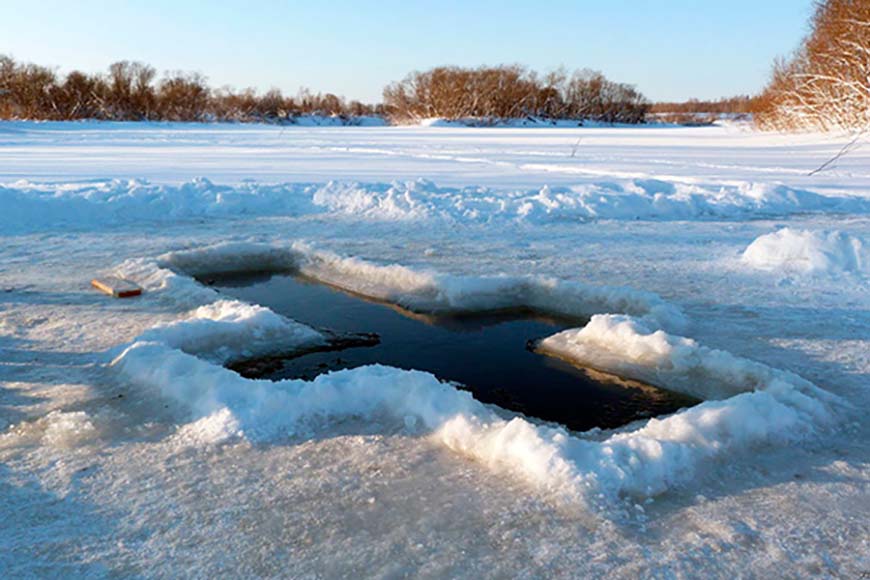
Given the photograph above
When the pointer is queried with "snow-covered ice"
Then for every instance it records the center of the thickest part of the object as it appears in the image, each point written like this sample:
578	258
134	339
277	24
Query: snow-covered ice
706	258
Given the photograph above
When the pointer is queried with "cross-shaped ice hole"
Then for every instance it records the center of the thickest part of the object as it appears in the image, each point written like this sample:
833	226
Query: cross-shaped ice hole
488	353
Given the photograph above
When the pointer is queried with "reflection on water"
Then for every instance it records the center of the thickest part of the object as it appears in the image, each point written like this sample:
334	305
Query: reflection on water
486	352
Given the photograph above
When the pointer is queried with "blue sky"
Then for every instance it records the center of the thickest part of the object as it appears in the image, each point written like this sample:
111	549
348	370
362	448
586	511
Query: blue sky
670	49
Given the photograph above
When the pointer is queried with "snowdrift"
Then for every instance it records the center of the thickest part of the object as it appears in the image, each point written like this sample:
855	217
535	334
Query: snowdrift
648	199
181	362
33	206
804	252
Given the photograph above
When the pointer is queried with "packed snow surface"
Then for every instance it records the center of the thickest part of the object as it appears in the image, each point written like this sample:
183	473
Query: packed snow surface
706	260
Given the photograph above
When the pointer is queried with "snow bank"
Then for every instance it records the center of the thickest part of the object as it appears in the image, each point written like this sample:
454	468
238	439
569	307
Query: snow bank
177	362
662	454
805	252
417	290
168	277
28	206
224	404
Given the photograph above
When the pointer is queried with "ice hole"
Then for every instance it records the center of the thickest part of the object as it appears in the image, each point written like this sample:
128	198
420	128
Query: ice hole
491	354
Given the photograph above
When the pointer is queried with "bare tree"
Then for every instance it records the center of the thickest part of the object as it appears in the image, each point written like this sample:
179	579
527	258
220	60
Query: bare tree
131	93
183	97
826	83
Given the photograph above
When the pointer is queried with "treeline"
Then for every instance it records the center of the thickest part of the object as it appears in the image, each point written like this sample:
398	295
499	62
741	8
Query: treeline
696	112
512	92
825	85
739	105
131	91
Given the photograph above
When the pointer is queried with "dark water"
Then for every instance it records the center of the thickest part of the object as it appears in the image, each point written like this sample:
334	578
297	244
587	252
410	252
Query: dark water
486	353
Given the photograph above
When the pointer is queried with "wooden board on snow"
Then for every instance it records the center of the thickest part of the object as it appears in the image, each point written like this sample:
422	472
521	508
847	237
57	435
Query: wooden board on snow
117	287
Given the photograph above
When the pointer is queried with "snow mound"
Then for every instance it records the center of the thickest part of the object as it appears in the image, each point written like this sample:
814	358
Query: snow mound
630	347
210	430
33	206
227	330
806	252
58	429
65	430
177	362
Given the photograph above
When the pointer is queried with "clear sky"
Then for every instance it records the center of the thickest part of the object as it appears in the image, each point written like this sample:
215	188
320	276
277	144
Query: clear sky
670	49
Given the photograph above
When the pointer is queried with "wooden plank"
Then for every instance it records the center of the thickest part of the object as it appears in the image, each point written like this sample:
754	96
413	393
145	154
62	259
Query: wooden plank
117	287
